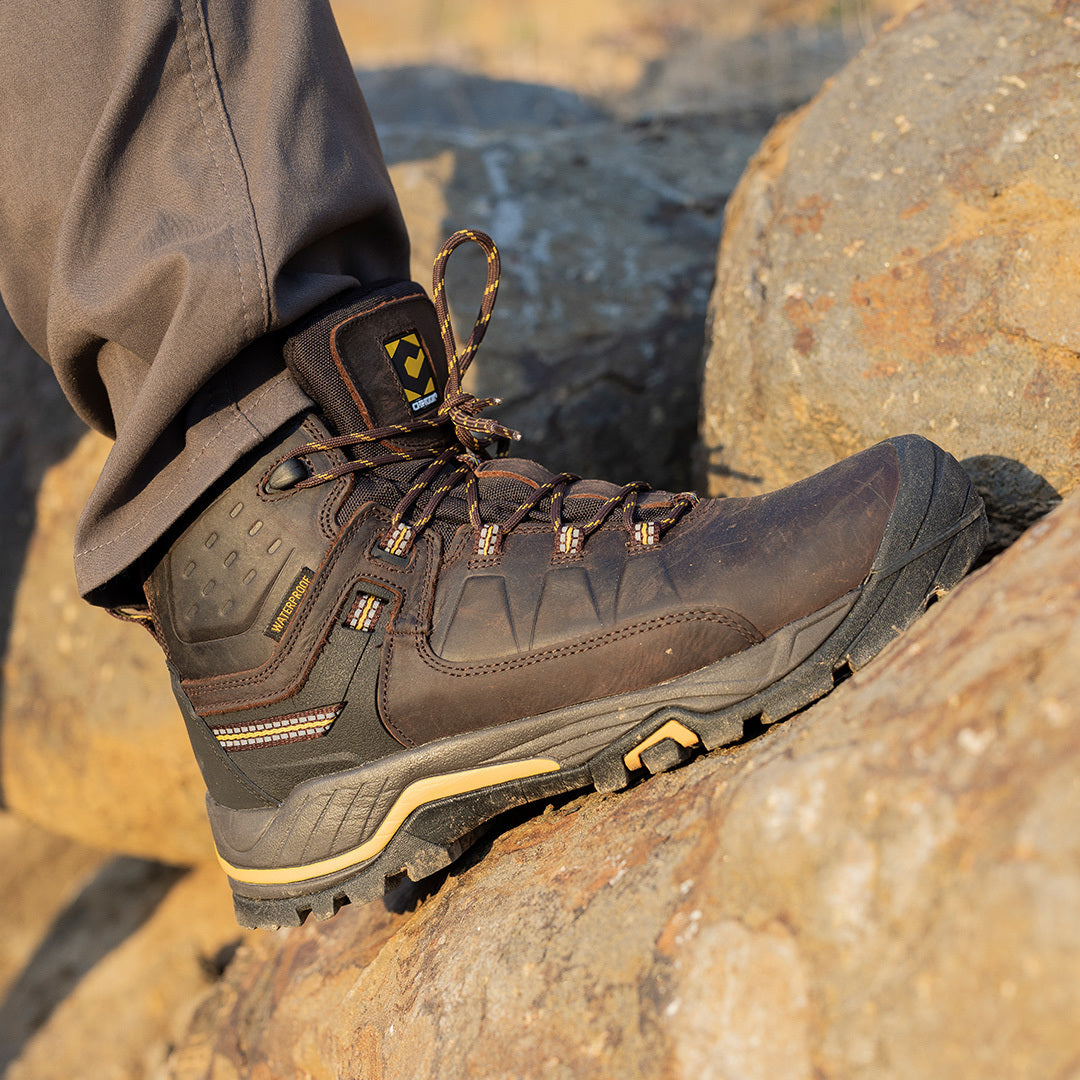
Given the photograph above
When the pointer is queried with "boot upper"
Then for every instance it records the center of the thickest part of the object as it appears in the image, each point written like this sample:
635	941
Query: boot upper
464	592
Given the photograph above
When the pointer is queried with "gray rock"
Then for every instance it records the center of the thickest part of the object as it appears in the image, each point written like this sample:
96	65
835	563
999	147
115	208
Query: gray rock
747	80
608	234
438	99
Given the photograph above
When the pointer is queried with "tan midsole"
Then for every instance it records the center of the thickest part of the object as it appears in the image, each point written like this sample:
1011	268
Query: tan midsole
417	794
671	730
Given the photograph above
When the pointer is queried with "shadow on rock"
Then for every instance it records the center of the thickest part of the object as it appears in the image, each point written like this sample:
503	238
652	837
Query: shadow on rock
712	472
1015	496
112	907
437	98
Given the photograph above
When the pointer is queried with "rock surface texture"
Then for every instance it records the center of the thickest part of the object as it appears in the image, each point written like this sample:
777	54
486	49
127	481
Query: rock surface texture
883	887
103	959
625	54
902	256
91	746
605	195
608	234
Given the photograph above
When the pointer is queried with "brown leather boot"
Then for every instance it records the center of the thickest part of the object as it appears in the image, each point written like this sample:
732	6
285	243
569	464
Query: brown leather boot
381	638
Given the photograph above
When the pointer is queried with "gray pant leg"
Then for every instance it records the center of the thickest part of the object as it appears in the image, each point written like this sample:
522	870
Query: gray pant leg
179	179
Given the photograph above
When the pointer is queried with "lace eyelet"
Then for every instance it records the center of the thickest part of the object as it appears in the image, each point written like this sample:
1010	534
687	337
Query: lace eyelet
569	541
399	542
364	612
395	549
646	533
287	475
488	542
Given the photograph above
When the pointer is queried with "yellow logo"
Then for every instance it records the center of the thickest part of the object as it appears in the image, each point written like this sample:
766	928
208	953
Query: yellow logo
414	370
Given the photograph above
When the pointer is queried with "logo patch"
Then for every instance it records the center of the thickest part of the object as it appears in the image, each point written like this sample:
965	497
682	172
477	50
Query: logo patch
281	620
414	370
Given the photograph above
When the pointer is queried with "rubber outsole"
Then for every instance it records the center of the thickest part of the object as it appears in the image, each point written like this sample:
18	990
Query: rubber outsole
933	537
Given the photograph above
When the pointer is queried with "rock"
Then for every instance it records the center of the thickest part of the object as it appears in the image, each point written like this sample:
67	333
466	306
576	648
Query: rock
902	256
38	872
92	745
616	53
752	78
436	99
742	81
103	959
884	886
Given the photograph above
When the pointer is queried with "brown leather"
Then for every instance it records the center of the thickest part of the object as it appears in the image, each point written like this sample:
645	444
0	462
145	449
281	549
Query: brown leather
347	565
237	559
422	698
771	559
471	645
536	634
340	356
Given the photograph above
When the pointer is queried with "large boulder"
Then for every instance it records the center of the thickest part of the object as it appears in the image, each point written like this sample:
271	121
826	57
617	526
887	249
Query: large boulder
902	256
885	886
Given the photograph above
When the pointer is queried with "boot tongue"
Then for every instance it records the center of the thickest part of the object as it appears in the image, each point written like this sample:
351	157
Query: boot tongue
373	360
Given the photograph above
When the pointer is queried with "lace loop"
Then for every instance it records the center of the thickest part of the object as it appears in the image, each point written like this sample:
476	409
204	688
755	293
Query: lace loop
442	307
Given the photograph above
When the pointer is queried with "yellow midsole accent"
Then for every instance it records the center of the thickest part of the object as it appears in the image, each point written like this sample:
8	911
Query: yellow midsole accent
671	730
415	795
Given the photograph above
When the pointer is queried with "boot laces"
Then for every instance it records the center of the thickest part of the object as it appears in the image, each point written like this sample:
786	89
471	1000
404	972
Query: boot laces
455	466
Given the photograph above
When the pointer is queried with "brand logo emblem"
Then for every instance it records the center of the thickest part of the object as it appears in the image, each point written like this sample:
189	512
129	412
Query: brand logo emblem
414	370
281	620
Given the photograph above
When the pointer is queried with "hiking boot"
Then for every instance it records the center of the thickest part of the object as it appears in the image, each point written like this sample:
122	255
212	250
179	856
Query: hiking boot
380	637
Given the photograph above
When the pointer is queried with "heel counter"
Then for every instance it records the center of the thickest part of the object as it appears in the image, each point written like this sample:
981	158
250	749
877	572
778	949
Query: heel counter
226	784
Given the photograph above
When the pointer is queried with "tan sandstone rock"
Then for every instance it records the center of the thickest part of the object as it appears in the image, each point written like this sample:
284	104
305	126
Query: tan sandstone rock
611	50
883	887
102	959
91	743
902	256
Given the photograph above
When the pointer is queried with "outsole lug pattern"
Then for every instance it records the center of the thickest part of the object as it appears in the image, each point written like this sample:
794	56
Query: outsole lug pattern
609	775
665	755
